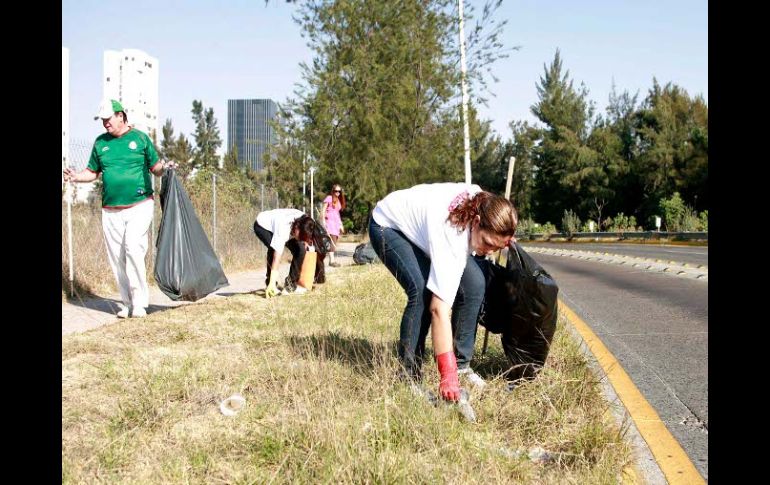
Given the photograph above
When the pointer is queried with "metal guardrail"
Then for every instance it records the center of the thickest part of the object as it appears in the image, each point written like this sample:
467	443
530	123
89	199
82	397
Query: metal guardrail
618	236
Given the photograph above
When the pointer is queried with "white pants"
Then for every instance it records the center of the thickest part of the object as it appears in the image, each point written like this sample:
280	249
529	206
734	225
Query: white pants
126	237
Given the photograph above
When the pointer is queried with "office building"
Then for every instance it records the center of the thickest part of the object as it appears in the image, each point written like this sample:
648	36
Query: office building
249	130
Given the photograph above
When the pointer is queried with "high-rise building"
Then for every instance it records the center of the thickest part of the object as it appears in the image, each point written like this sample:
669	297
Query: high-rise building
249	130
131	77
65	108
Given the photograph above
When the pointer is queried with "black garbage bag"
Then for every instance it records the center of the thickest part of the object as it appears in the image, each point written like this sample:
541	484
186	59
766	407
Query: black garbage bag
321	240
323	245
186	267
364	254
320	269
521	305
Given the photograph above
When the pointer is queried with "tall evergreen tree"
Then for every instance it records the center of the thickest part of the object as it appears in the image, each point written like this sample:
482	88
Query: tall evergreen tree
564	161
230	162
207	139
176	149
491	157
672	134
486	154
167	143
522	146
621	121
379	110
184	155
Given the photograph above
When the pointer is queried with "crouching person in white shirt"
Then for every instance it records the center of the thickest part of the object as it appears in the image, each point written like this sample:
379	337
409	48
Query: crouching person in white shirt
429	237
279	228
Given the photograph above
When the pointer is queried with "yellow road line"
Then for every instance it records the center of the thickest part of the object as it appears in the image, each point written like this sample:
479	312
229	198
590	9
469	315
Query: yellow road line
672	459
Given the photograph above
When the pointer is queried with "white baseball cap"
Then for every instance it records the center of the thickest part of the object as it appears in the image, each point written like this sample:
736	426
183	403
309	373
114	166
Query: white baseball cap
107	108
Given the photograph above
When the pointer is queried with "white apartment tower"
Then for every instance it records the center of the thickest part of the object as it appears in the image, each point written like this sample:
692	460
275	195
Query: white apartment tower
131	77
65	108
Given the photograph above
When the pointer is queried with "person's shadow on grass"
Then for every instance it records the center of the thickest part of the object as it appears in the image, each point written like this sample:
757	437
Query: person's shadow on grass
359	353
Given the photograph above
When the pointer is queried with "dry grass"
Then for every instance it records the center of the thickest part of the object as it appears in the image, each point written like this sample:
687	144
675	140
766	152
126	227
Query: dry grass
237	247
140	400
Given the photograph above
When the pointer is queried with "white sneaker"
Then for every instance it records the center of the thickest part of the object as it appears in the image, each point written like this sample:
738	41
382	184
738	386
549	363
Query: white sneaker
301	290
122	312
472	377
139	312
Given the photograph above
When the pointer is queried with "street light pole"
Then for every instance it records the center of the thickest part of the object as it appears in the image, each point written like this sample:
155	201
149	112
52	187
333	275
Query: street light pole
312	170
304	180
466	134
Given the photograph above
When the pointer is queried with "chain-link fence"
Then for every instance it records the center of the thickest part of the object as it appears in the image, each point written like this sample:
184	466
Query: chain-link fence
228	224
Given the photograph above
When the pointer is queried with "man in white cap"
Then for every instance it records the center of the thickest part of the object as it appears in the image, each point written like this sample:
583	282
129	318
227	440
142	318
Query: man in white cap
125	157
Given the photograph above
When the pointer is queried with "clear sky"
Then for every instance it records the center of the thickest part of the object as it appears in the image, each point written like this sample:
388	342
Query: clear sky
215	50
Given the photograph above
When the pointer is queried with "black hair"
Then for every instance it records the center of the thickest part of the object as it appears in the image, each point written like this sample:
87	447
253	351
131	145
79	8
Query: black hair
306	226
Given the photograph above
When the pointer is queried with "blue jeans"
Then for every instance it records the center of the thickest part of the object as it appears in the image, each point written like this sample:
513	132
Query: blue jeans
411	267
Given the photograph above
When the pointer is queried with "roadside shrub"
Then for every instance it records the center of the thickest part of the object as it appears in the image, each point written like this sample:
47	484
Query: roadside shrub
570	223
586	226
690	221
673	212
545	229
621	223
704	221
525	227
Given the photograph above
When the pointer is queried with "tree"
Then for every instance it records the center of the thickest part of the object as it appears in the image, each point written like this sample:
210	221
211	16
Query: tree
621	115
564	161
167	144
491	164
379	110
672	134
600	177
184	155
207	138
230	161
177	149
486	154
525	138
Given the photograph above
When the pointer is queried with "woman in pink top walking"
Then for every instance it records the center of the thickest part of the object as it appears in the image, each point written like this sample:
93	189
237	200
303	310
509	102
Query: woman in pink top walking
333	204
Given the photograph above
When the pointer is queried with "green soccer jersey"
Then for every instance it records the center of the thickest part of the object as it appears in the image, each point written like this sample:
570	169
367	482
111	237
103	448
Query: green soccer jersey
125	164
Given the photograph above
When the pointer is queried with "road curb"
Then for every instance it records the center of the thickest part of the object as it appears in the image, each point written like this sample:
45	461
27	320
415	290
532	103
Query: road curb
672	268
670	457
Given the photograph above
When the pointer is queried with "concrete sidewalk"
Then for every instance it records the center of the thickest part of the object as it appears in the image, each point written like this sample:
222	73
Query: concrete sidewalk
80	315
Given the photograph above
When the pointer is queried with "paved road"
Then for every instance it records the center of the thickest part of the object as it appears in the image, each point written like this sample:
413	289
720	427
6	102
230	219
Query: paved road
695	255
657	328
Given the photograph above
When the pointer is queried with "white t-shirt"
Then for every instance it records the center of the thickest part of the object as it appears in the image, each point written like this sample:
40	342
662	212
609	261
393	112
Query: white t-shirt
420	213
278	221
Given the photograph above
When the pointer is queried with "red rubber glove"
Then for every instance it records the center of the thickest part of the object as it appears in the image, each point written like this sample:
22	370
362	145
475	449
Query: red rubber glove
449	387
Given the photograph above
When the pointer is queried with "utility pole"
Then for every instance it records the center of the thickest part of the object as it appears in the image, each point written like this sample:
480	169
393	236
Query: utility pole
304	180
466	134
505	252
312	170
